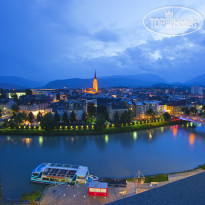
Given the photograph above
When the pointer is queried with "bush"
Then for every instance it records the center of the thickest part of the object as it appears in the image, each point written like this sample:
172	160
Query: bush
156	178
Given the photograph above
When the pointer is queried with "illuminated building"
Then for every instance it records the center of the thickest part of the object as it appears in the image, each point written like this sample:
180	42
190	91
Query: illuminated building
94	89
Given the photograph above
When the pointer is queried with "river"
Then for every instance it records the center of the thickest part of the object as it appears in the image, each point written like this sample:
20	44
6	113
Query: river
160	150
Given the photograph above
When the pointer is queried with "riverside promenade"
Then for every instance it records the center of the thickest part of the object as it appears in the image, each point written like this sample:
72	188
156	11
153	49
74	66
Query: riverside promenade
181	188
189	191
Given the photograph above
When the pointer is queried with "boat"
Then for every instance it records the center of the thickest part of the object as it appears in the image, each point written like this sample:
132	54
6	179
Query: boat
55	173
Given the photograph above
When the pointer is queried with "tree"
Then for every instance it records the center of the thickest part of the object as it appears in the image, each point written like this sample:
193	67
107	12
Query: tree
31	197
47	122
116	119
126	117
72	116
150	113
24	116
2	95
15	108
15	97
65	117
100	123
30	117
185	110
91	110
56	117
102	110
58	96
0	112
203	109
39	116
84	117
193	110
166	116
28	92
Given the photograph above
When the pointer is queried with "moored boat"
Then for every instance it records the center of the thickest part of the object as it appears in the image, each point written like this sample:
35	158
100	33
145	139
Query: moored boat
55	173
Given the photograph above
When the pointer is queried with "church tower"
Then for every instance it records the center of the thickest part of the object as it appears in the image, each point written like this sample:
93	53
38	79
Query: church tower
95	83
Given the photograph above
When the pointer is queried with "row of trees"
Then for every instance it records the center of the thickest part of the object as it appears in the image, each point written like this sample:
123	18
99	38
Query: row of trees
193	110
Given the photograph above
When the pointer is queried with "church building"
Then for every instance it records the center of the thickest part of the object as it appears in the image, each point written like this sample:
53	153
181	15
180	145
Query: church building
94	89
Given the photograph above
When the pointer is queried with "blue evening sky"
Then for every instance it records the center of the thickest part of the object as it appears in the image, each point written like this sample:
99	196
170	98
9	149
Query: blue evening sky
59	39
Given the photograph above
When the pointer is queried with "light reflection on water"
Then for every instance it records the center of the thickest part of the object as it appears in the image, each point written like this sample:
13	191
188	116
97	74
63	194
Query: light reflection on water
160	150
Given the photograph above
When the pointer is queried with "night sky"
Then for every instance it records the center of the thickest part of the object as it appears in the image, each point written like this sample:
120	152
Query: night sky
57	39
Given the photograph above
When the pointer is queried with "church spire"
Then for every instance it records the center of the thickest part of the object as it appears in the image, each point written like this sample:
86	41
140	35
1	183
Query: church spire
95	75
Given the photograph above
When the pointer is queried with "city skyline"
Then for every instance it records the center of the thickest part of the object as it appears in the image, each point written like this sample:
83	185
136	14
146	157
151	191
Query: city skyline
45	40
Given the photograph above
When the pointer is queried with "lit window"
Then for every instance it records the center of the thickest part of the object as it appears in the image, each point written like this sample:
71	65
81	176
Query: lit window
91	189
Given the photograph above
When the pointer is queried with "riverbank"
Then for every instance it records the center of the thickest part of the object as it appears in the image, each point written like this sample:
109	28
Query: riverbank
166	177
64	194
110	130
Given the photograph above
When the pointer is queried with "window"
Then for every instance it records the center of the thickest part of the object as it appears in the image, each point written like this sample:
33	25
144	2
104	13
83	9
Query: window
45	178
103	190
91	189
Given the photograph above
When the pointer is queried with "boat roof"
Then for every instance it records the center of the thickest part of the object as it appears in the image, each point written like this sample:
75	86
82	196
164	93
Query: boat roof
80	170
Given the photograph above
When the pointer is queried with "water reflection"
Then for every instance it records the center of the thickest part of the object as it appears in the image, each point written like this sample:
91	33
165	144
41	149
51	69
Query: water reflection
40	140
191	139
150	136
106	138
175	130
27	141
114	155
135	136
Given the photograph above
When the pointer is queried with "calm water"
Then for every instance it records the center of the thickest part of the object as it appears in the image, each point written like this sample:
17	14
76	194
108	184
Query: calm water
160	150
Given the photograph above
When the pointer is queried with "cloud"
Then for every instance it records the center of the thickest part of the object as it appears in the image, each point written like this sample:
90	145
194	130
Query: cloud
53	40
106	36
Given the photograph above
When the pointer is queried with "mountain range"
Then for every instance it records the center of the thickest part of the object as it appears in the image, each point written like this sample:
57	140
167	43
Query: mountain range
143	80
10	82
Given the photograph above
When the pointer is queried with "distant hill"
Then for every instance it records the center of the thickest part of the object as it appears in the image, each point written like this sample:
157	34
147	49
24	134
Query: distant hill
9	82
10	86
199	80
108	81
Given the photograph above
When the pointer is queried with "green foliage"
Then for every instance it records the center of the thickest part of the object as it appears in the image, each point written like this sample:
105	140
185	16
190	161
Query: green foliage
84	117
24	116
30	117
156	178
2	94
193	110
47	122
126	117
202	166
91	110
116	119
56	117
31	197
15	108
185	110
72	116
28	92
102	110
39	116
58	96
15	97
65	117
100	123
167	116
18	118
150	113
